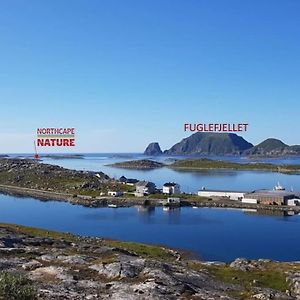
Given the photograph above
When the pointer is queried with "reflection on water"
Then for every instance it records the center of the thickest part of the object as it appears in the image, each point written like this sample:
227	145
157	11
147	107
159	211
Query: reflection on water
190	181
211	233
268	212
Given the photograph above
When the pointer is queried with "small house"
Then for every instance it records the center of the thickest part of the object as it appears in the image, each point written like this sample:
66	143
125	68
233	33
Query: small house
128	181
292	202
143	188
171	188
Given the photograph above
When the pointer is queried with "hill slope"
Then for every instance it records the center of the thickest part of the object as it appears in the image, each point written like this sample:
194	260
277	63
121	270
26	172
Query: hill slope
210	144
273	147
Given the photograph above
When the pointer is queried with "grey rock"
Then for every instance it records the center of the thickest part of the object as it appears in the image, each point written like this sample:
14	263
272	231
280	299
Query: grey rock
153	149
31	265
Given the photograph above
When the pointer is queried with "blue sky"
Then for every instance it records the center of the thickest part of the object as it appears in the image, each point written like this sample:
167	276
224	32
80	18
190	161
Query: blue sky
125	73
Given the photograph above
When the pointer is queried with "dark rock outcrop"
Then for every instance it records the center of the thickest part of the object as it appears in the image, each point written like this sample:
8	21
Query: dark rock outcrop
202	143
153	149
273	147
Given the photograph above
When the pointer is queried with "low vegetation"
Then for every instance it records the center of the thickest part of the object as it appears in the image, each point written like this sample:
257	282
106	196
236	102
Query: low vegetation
148	251
32	231
206	164
16	287
273	276
138	164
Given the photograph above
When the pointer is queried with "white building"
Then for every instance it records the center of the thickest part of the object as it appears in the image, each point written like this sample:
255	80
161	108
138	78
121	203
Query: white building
143	188
173	201
249	200
292	202
232	195
171	188
114	193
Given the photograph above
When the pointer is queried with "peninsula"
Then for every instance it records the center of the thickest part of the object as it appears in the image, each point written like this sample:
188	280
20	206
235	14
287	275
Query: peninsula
208	164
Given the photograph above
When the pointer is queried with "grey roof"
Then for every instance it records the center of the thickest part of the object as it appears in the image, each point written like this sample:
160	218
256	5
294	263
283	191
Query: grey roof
222	191
144	183
170	184
273	193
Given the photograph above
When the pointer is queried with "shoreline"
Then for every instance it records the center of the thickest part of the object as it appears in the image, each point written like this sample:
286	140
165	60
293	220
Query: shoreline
206	164
58	265
128	202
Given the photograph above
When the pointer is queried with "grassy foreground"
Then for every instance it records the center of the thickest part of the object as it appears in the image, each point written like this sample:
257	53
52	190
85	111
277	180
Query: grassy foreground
270	274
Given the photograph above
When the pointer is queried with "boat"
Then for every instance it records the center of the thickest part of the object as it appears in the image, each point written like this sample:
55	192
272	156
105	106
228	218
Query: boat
279	187
112	205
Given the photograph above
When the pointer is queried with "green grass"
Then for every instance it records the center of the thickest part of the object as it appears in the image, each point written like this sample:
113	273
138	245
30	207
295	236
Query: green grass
38	232
148	251
189	197
16	287
144	250
158	196
205	164
273	278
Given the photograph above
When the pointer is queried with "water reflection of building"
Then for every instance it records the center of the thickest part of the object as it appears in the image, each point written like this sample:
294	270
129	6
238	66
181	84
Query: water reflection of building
171	209
145	209
172	215
270	212
277	197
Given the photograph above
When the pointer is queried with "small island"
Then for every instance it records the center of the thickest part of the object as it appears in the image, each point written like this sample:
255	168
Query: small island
138	164
208	164
63	156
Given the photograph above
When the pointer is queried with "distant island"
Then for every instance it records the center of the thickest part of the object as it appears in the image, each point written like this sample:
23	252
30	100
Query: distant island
224	144
207	164
63	156
138	164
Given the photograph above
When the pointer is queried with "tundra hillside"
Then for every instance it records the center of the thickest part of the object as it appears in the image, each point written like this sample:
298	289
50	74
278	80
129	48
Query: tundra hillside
40	264
27	173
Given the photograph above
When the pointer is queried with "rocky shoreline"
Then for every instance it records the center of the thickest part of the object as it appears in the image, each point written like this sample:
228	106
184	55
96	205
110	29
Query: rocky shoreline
24	177
145	201
50	265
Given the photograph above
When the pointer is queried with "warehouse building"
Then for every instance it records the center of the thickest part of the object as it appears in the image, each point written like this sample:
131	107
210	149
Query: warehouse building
271	197
232	195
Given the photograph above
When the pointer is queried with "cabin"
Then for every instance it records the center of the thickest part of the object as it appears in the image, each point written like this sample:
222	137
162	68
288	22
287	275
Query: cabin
171	188
128	181
143	188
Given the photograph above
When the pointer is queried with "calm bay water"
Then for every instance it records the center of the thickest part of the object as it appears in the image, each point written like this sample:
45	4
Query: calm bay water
190	181
213	234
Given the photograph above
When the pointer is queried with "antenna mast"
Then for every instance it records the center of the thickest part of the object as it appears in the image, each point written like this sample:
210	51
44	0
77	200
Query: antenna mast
36	156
